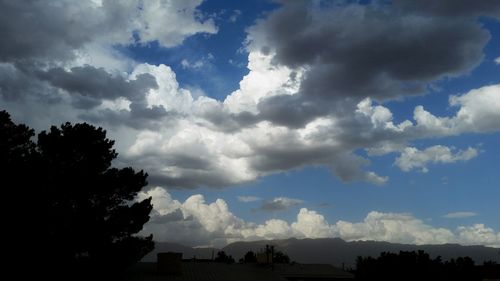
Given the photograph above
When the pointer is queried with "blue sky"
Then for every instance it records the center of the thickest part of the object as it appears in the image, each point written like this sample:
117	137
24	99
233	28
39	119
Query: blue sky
371	120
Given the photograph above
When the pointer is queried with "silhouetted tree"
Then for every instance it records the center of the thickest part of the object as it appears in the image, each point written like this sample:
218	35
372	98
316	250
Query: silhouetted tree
249	257
222	257
16	154
280	257
15	144
414	266
84	214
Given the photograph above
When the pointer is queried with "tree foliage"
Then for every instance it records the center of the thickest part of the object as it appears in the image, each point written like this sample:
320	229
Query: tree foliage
249	257
280	257
414	266
84	211
16	146
223	257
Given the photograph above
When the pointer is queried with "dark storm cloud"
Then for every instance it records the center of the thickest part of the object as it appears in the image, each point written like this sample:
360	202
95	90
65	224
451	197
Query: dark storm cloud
14	83
194	162
138	117
451	8
87	85
355	51
17	85
192	179
196	170
98	84
224	121
38	38
363	51
175	216
291	110
284	110
284	156
39	30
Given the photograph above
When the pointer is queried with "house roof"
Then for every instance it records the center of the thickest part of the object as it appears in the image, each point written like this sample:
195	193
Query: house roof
212	271
311	270
206	271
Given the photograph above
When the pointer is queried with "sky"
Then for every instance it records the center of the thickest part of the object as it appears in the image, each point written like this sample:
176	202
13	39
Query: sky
364	120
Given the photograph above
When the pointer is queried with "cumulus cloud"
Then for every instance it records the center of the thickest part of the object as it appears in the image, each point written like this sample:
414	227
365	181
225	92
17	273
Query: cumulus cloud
394	227
96	84
460	215
340	59
280	204
313	95
171	22
68	54
413	158
478	234
310	224
451	8
497	60
479	111
61	30
214	224
175	143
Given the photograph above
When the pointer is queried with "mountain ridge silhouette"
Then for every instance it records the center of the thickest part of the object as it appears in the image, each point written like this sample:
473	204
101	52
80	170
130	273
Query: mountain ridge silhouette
333	251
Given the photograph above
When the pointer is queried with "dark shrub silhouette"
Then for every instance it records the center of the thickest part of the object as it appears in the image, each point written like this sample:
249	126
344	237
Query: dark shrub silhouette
222	257
249	257
280	257
414	266
82	214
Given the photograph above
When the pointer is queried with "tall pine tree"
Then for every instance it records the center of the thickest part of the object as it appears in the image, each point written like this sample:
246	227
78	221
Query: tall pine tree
83	214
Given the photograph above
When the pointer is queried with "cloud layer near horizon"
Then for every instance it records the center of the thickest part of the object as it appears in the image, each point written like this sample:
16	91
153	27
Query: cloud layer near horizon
215	225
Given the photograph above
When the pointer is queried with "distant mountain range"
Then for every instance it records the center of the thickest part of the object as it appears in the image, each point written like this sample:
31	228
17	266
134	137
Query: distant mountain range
331	250
187	252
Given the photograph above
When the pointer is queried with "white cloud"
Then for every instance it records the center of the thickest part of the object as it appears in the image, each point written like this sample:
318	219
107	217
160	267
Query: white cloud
497	60
186	64
199	141
393	227
162	202
373	178
247	199
478	234
168	94
235	15
413	158
225	158
214	217
310	224
204	62
460	215
272	229
196	222
171	22
263	81
479	111
186	139
88	29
